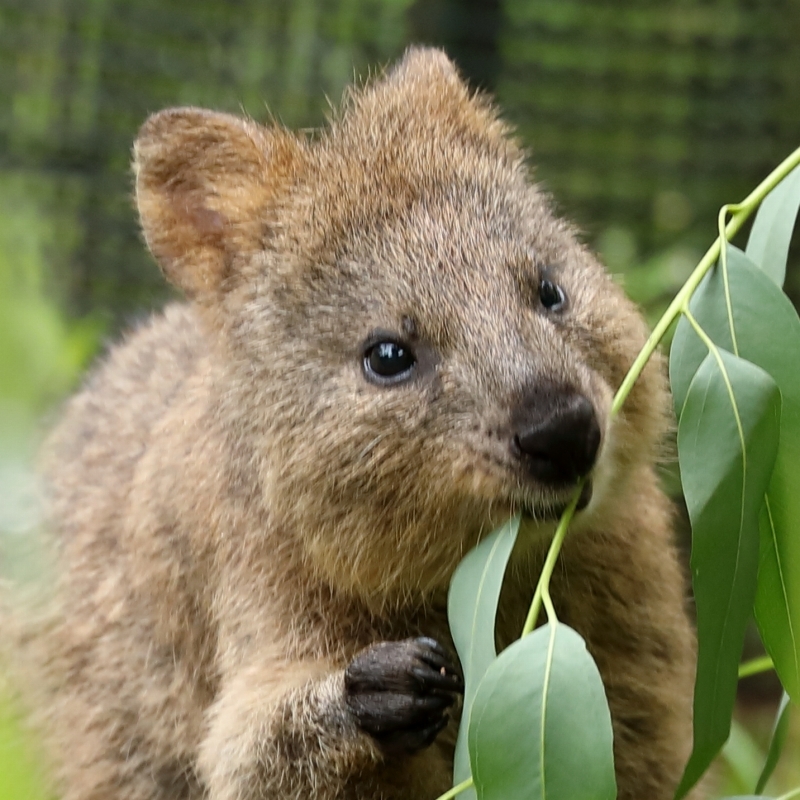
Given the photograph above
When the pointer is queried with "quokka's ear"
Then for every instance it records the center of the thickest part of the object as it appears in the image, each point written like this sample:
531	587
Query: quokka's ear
205	185
425	65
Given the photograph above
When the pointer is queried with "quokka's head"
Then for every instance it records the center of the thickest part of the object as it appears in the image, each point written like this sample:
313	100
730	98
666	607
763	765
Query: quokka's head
416	346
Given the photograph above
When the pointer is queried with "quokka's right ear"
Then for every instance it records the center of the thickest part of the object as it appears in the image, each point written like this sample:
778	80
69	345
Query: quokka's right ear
205	185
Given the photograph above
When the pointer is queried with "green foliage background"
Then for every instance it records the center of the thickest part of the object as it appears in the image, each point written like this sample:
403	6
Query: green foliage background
642	118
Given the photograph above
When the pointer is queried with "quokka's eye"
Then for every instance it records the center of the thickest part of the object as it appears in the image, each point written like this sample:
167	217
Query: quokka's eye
388	362
551	295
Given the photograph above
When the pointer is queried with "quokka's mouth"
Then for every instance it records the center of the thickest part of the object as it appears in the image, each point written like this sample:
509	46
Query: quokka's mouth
552	511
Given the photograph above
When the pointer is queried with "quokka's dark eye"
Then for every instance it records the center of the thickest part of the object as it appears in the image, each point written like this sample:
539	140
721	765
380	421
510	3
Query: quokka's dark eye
388	362
551	295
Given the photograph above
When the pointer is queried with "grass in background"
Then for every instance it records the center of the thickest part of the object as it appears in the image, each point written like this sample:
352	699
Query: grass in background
21	776
42	355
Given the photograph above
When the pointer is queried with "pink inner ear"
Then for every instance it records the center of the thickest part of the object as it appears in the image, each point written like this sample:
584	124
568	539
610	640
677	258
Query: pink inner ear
208	222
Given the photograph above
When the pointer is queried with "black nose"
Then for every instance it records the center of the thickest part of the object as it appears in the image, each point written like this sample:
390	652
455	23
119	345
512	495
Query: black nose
559	439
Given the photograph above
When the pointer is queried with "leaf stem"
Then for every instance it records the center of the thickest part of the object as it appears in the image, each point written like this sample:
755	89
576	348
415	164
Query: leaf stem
754	666
451	793
703	336
550	562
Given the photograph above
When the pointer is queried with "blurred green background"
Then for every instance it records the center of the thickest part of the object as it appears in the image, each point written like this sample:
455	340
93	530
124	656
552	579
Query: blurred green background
642	118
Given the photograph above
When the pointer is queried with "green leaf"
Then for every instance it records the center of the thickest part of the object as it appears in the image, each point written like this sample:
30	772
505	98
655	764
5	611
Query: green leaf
771	234
767	334
727	441
779	732
687	351
471	610
540	726
709	305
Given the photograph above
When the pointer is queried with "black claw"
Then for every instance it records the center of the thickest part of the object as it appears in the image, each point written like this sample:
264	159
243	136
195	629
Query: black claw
431	644
433	680
428	735
432	653
433	702
436	657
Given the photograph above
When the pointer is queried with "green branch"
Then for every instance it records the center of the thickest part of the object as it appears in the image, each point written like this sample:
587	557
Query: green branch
462	787
543	586
755	666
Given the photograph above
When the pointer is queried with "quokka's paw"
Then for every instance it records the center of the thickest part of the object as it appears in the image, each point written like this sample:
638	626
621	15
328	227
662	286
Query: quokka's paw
399	692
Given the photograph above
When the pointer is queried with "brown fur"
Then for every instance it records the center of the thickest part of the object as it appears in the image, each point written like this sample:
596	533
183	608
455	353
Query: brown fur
239	512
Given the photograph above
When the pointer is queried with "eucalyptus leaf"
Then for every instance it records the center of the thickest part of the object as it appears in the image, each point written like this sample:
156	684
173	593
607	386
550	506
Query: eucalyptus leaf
709	305
727	442
687	352
771	234
540	726
768	334
779	732
471	610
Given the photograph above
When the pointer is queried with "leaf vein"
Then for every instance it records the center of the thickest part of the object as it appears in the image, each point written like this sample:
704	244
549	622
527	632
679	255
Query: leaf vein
545	688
